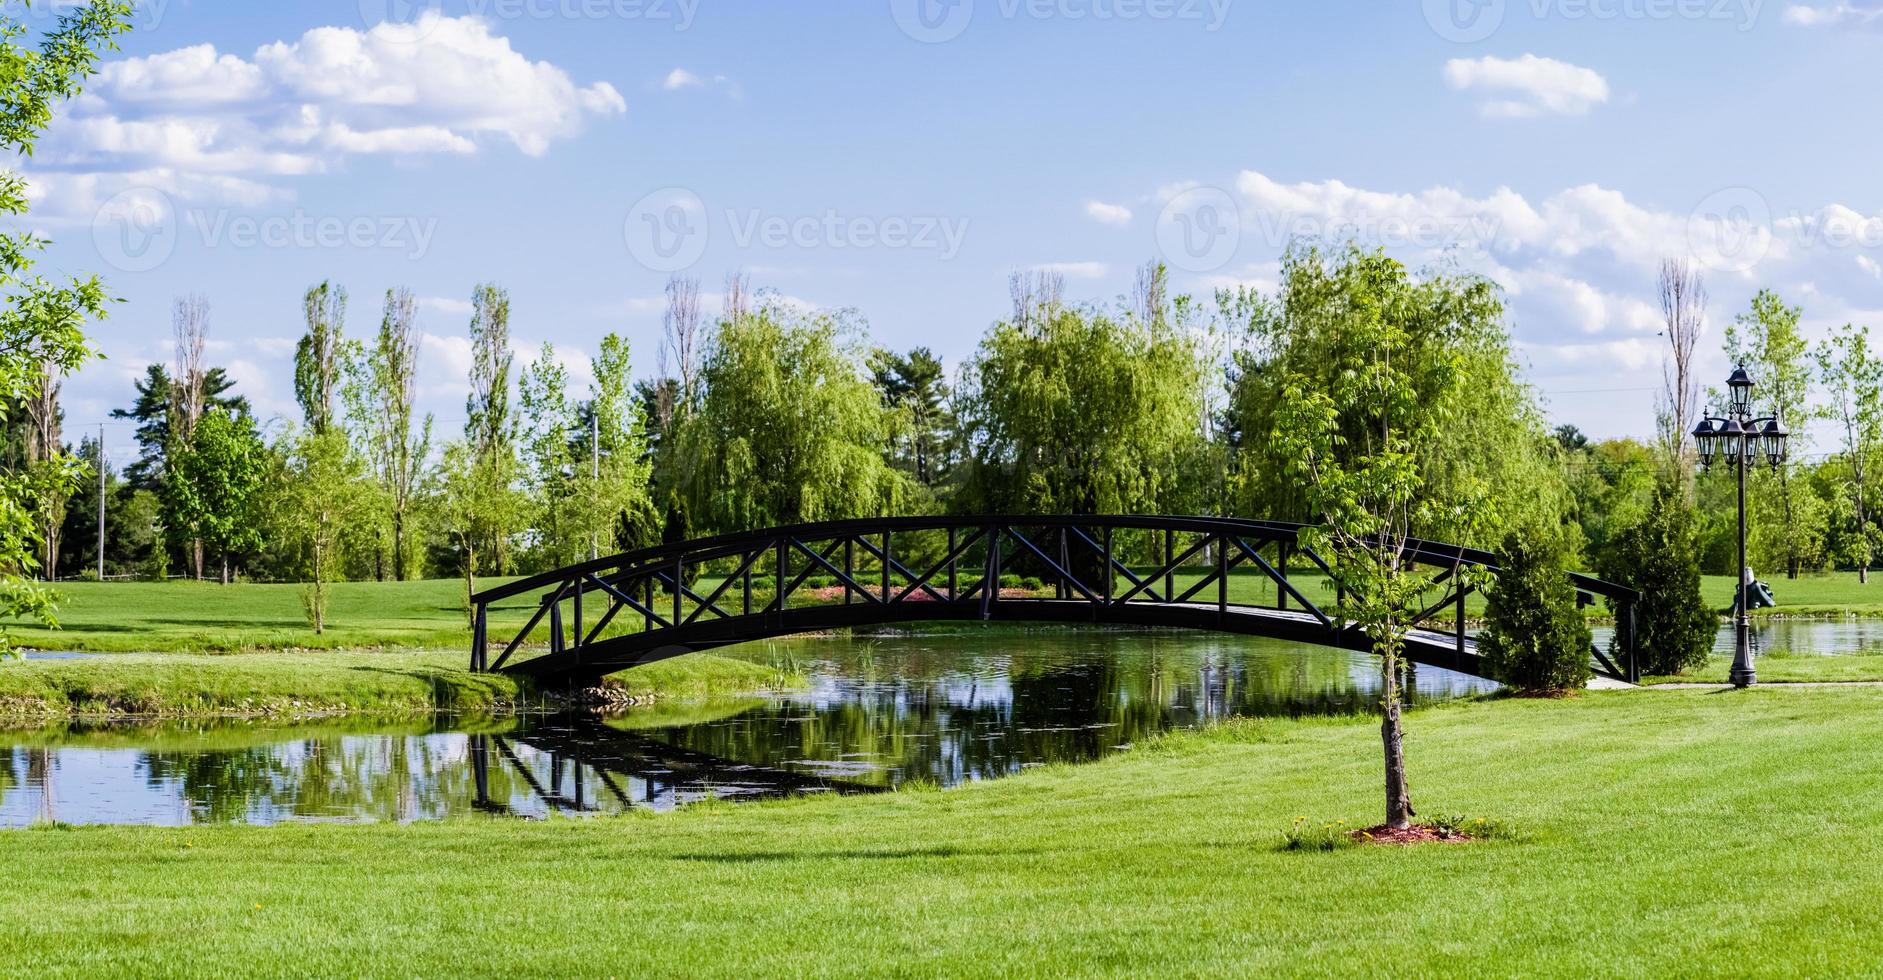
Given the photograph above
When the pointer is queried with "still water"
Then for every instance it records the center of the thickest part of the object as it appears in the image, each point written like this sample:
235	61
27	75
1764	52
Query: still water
878	713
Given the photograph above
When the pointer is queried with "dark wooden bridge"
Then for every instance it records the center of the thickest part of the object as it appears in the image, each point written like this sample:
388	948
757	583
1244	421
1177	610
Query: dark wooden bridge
633	609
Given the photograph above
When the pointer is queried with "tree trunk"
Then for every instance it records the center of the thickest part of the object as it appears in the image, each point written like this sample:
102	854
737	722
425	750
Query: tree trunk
398	547
225	569
1399	812
196	558
470	581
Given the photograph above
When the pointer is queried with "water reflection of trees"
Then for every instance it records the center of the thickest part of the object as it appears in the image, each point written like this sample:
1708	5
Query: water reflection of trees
956	709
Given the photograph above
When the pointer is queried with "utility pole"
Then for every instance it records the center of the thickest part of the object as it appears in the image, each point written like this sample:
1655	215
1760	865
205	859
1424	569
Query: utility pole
595	474
101	501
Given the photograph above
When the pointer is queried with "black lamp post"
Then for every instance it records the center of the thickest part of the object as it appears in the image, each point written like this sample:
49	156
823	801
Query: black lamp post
1738	441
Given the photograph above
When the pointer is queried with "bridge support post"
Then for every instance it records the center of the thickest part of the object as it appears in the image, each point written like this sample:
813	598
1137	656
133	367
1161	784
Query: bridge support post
555	626
480	640
953	591
1281	594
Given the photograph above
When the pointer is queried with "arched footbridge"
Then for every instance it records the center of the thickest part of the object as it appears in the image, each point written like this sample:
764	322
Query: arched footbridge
1225	575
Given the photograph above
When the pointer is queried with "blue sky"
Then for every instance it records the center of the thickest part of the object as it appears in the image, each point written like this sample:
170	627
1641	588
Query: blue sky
903	156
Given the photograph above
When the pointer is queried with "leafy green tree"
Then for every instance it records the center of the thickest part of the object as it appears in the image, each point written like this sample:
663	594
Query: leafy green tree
1610	483
214	482
1659	557
1852	375
41	323
1535	638
1358	435
325	476
1077	411
383	396
474	506
612	465
153	411
1767	341
1494	449
491	426
548	462
791	427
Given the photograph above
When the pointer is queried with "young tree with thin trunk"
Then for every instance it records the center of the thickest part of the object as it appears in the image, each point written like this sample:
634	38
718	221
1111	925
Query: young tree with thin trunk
1852	375
1683	316
1360	435
324	474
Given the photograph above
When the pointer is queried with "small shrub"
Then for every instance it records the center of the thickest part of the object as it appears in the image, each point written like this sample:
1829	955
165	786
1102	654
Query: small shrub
1308	836
1535	638
1660	557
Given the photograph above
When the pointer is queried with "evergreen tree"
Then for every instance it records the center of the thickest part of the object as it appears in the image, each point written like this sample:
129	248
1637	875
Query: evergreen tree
1535	638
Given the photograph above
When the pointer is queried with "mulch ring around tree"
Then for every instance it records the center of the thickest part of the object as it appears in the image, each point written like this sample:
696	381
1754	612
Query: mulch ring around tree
1416	834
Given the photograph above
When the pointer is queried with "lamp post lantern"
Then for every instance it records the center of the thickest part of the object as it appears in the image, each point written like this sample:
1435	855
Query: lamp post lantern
1738	441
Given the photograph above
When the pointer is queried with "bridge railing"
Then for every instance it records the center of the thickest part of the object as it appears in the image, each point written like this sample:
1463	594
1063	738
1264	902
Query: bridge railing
961	566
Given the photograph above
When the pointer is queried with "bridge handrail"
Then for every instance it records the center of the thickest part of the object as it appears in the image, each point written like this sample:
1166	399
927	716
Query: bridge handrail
1426	552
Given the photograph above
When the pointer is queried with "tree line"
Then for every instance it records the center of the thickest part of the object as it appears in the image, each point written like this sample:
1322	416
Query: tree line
764	413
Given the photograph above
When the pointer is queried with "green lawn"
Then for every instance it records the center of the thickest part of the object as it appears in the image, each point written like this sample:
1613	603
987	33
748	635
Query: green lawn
1831	593
203	616
316	681
1657	833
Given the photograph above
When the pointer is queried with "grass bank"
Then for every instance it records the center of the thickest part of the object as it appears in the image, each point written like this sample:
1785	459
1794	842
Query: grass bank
1658	833
322	681
1792	669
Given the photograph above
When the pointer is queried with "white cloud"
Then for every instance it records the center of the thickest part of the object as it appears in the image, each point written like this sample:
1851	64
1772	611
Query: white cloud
680	78
1108	214
1870	266
1838	15
1075	270
301	107
1528	86
445	305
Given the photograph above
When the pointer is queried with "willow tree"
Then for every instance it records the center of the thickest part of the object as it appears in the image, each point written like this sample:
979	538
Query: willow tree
1363	430
788	427
1499	448
41	323
1077	411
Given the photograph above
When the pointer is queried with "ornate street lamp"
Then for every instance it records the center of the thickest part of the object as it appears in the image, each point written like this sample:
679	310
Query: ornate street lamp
1738	442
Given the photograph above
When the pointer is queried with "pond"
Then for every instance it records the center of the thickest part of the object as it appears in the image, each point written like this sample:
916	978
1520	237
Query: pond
877	713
